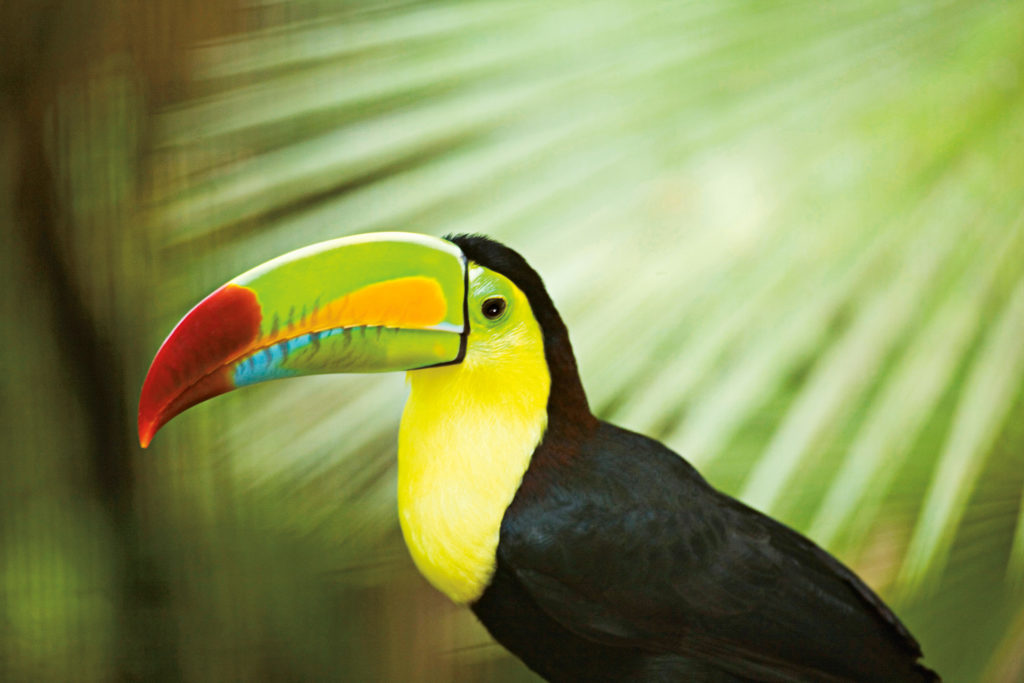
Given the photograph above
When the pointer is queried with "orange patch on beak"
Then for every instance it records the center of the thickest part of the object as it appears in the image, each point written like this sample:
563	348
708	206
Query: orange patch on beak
408	302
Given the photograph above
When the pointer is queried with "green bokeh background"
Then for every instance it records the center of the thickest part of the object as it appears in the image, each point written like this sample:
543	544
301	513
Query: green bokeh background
787	239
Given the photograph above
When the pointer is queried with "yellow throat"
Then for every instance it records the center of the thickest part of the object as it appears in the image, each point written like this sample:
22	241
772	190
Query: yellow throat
467	435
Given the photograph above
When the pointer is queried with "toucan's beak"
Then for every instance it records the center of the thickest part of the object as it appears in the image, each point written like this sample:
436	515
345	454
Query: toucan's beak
366	303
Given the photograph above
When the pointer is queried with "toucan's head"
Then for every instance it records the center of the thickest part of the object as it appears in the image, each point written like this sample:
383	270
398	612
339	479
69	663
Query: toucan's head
367	303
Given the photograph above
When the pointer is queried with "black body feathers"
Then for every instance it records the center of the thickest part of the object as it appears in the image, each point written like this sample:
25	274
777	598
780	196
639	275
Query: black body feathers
624	564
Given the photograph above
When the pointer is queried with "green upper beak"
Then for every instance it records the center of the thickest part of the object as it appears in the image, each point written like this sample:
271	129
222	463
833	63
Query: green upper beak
365	303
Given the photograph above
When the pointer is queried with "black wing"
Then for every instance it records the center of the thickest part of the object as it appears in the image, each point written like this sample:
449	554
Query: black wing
628	546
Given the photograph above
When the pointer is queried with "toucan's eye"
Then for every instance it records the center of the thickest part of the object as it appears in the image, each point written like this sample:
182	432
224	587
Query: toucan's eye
493	307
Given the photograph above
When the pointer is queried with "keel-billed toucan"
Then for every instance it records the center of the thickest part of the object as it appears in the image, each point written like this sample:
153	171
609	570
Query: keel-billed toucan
591	552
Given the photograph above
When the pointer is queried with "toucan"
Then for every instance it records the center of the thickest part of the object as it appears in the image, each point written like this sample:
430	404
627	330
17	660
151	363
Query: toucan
591	552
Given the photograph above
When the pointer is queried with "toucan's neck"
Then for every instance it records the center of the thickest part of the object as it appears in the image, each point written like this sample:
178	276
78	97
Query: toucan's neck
567	407
468	434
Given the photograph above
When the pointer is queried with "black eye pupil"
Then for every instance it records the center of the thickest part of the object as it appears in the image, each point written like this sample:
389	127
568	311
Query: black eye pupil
493	308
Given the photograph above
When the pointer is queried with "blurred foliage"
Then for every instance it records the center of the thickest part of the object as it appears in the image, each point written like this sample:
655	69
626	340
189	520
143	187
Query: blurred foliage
787	239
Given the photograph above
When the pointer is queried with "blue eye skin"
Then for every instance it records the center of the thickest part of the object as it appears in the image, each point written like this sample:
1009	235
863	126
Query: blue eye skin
493	307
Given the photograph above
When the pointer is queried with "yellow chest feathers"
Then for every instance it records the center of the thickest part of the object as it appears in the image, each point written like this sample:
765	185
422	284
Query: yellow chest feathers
467	435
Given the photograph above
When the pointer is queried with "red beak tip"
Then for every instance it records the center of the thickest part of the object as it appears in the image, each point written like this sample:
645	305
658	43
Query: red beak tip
146	433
